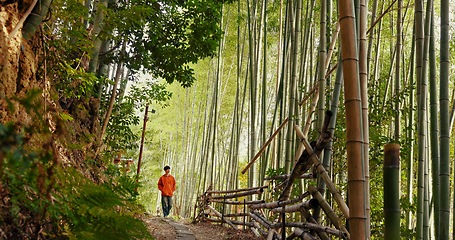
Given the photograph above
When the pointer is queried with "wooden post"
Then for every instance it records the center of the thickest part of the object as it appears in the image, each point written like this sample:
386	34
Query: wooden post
244	213
392	191
222	213
141	149
283	217
218	214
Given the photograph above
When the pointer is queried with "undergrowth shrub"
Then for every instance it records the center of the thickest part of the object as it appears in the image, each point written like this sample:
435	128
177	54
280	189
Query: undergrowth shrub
40	199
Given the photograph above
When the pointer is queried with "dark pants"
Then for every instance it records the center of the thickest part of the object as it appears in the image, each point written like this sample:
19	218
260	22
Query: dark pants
166	203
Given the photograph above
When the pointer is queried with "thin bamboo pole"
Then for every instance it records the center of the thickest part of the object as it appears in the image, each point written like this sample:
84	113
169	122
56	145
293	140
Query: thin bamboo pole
310	204
422	99
444	175
317	228
330	185
218	214
328	210
363	77
241	194
237	202
235	222
434	129
304	163
271	205
410	139
235	190
322	54
306	129
286	176
266	144
397	70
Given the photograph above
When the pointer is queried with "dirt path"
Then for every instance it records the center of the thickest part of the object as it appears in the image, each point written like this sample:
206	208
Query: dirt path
161	230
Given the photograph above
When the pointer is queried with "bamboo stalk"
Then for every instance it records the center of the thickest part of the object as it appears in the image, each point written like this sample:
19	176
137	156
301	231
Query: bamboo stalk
304	163
218	214
264	146
273	234
312	203
391	178
444	174
241	194
354	136
271	205
306	129
310	219
235	222
236	190
260	220
22	20
260	230
331	48
380	17
314	89
286	176
327	209
299	233
317	228
321	170
237	202
235	215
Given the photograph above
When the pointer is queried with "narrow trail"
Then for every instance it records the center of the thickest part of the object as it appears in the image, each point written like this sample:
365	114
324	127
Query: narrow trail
170	229
182	231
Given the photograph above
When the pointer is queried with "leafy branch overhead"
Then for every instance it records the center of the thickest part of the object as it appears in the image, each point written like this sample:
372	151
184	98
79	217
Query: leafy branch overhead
149	94
165	37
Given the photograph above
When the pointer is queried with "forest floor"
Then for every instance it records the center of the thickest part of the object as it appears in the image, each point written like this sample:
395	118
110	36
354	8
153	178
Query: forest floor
162	230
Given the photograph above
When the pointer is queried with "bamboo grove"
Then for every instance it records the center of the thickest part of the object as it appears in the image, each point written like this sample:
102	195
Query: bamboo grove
381	67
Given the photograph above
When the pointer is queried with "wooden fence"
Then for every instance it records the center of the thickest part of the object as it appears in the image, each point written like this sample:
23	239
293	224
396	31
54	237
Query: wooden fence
283	217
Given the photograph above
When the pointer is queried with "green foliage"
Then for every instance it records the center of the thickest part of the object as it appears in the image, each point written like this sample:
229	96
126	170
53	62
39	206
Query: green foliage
151	93
75	83
119	136
270	172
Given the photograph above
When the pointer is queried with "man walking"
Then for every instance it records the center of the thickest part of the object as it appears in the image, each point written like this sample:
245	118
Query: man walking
166	185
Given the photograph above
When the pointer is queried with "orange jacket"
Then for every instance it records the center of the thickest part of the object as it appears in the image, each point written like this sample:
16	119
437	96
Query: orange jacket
166	185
